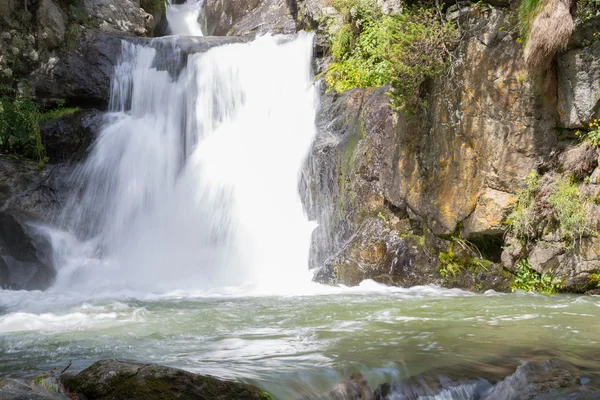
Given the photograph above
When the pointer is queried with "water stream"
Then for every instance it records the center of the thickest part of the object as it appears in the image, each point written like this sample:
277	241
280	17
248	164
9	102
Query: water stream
187	245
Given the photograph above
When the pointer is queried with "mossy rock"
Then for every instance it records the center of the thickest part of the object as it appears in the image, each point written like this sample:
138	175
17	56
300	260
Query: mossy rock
116	379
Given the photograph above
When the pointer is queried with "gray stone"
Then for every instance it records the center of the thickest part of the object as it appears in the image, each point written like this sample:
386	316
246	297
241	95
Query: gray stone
488	218
544	256
530	381
68	138
250	17
26	255
120	16
82	76
112	379
51	22
579	86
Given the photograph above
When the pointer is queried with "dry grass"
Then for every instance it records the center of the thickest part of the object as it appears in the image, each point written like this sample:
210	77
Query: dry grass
550	32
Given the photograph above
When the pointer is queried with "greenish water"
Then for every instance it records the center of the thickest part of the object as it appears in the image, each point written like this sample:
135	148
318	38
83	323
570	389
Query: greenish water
293	344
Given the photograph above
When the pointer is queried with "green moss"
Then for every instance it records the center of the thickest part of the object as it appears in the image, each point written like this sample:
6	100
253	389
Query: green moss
529	280
593	280
266	396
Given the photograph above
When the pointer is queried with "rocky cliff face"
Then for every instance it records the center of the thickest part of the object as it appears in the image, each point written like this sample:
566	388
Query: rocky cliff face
431	199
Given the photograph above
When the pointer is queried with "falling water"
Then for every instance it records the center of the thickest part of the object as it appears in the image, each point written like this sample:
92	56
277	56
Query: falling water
184	19
193	182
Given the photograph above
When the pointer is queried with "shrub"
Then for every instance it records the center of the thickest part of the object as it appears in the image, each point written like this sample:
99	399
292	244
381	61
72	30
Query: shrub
593	135
521	219
19	126
371	49
569	209
528	280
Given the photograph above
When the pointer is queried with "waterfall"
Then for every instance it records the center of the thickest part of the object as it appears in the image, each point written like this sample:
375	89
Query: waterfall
184	19
193	182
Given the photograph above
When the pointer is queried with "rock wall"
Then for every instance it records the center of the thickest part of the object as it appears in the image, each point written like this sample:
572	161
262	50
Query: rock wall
429	199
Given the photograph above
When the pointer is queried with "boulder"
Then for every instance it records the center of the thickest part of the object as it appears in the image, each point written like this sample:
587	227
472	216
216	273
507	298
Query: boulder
112	379
68	138
488	218
39	193
25	255
249	17
13	389
51	24
531	381
119	16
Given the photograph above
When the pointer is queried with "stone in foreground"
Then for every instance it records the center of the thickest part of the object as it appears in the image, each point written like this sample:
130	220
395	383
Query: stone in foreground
116	379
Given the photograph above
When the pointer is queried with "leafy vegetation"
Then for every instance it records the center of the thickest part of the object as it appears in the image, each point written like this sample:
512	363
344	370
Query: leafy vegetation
592	136
521	220
371	49
19	127
528	280
452	264
569	208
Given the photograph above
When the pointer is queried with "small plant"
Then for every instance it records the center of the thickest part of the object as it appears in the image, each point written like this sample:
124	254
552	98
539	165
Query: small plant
569	209
521	220
592	135
528	280
452	264
594	280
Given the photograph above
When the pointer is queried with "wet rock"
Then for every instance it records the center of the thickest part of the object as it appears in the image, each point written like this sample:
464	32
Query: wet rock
120	16
249	17
69	137
110	379
369	254
82	76
40	193
25	254
530	381
344	171
12	389
355	386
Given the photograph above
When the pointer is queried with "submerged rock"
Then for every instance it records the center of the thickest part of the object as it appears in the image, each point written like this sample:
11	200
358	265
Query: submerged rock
116	379
25	255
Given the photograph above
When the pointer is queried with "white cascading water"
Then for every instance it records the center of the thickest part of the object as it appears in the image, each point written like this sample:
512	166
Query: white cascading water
184	18
193	183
